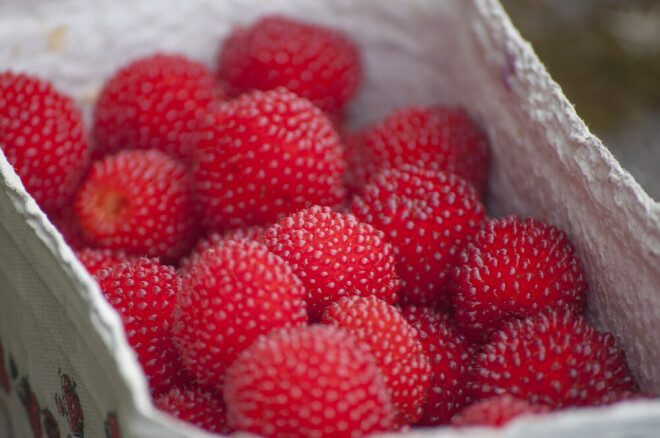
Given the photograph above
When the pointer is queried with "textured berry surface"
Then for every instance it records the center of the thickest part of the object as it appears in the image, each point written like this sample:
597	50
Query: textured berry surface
138	201
233	294
198	405
310	381
153	102
440	138
334	255
515	268
144	294
95	259
263	156
428	216
66	221
43	137
320	64
553	358
496	411
450	355
216	239
395	345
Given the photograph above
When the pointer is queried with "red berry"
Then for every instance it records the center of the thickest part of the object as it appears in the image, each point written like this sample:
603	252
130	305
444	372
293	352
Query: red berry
198	405
311	381
233	294
95	259
153	102
334	255
450	355
439	138
428	216
395	345
216	239
553	358
139	201
496	411
144	293
66	221
515	268
31	405
43	137
264	156
315	62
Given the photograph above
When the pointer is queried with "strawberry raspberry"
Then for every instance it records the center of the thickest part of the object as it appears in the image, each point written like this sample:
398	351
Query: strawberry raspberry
95	259
440	138
450	355
138	201
395	345
144	293
553	358
315	62
66	221
43	137
264	156
233	294
428	216
334	255
216	239
311	381
198	405
153	102
515	268
496	411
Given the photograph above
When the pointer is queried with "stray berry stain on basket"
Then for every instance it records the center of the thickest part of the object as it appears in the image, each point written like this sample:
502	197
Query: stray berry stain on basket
31	405
50	424
69	405
508	70
111	426
13	371
4	376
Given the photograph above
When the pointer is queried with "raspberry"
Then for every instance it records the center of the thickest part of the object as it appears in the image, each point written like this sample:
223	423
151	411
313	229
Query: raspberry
94	259
428	216
198	405
439	138
515	268
234	293
496	411
216	239
310	381
554	359
334	255
395	345
266	155
144	293
66	221
43	137
138	201
153	102
315	62
450	355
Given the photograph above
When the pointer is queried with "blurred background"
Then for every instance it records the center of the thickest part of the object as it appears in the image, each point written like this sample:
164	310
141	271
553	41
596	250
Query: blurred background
605	54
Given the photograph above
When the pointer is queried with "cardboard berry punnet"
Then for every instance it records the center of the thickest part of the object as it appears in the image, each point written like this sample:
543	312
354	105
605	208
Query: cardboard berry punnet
66	368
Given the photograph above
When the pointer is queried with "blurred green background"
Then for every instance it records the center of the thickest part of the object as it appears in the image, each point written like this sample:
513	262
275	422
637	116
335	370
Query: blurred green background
605	54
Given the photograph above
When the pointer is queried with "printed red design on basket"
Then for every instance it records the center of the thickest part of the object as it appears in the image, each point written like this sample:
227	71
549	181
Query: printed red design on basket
4	376
69	405
112	426
50	424
31	405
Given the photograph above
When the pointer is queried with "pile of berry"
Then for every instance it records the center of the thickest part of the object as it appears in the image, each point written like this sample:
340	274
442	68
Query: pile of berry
280	275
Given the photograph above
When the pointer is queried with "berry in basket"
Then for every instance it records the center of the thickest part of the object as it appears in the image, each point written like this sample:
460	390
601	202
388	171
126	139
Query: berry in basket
43	137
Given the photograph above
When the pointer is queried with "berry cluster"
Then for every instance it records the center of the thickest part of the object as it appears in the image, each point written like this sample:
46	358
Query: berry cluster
276	277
